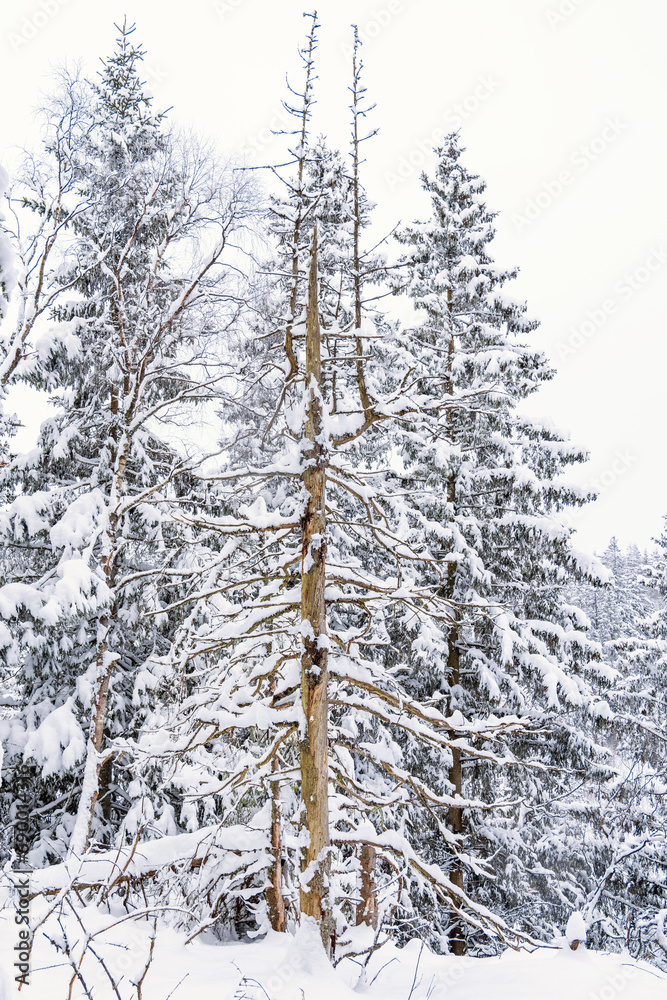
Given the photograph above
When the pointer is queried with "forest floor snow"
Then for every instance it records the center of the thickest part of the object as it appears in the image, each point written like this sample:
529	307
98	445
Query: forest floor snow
281	967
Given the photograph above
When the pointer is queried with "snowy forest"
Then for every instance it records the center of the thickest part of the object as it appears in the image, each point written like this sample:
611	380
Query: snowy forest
294	632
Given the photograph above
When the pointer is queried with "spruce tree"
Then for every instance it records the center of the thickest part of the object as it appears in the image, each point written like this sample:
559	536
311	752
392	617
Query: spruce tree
489	477
615	609
96	499
626	902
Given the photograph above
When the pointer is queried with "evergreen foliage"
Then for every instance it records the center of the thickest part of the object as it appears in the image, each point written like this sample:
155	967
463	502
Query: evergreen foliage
340	656
93	506
625	835
502	544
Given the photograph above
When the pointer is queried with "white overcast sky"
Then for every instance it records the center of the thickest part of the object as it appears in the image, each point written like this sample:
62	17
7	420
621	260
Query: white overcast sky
561	105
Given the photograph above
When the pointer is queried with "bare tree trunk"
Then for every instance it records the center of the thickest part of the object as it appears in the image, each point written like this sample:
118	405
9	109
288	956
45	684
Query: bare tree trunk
308	58
314	674
274	894
105	780
367	909
456	938
93	766
357	94
105	663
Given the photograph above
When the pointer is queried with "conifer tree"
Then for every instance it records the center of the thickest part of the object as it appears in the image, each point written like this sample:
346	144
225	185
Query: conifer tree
317	546
339	659
97	496
626	899
615	609
503	544
41	205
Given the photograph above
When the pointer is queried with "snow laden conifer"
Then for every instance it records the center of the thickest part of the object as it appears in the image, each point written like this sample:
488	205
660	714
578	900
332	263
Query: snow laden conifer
486	481
293	735
41	204
619	839
627	598
627	843
615	834
94	504
7	283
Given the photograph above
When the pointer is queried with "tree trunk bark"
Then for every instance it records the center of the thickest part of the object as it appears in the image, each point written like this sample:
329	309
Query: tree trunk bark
105	780
456	938
314	674
105	664
367	909
91	778
274	894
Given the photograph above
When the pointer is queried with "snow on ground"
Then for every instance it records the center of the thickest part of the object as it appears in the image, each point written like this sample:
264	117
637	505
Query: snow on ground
283	967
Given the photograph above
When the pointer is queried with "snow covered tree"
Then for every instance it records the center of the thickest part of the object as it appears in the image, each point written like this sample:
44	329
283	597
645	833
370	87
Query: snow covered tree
42	203
7	282
294	725
628	846
338	661
615	609
488	476
96	500
7	276
40	206
32	228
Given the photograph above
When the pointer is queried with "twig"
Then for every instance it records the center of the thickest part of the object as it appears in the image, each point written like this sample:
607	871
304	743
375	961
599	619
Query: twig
109	976
88	947
149	960
382	967
414	980
631	965
244	980
177	985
